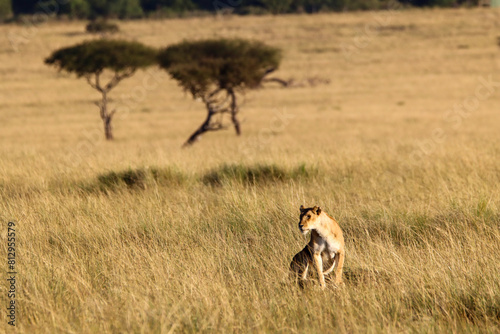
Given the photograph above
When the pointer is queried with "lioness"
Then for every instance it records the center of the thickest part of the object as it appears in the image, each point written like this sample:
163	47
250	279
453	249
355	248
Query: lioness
325	249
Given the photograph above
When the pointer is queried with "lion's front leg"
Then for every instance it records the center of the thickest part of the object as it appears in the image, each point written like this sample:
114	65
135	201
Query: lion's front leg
339	259
329	264
318	262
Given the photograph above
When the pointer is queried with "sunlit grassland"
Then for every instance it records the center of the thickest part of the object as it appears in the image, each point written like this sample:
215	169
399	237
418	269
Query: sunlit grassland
139	235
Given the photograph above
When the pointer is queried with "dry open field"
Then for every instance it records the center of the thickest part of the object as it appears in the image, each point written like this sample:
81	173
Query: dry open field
402	147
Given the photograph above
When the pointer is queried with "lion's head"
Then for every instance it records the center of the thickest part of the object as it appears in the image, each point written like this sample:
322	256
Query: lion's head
308	218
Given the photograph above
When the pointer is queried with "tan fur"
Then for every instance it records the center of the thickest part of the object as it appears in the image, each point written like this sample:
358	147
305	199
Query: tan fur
325	251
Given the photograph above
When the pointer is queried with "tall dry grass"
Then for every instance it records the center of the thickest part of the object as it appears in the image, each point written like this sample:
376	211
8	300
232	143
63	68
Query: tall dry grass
139	236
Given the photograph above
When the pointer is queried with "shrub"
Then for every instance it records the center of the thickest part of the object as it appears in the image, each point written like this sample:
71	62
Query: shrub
124	9
131	178
257	174
5	9
128	9
24	6
101	26
141	178
277	6
79	9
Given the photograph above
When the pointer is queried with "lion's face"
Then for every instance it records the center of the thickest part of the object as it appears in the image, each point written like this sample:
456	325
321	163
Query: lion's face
308	218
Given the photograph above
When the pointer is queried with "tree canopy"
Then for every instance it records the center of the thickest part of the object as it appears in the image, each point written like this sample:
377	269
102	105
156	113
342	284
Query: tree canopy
97	55
201	66
214	70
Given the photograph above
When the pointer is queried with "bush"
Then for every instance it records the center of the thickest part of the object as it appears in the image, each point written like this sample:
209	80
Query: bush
277	6
24	6
309	6
251	10
144	178
128	9
79	9
137	179
174	6
130	178
434	3
124	9
5	9
257	174
101	26
356	5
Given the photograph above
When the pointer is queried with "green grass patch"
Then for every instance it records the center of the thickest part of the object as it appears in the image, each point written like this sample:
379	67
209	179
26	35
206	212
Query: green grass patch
139	179
131	178
256	174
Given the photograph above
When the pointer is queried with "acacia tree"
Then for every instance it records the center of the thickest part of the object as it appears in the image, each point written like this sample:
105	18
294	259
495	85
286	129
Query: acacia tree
214	70
90	59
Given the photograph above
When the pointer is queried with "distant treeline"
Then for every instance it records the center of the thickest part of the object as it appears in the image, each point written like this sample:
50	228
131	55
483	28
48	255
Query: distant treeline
132	9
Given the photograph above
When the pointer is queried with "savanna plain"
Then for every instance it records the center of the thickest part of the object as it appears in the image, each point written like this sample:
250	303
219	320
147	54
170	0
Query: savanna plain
141	236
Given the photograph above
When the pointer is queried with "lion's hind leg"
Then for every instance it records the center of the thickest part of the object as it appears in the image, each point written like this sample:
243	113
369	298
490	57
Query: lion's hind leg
299	267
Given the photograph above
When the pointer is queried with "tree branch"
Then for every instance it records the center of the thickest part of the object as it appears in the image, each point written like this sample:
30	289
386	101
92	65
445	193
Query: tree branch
269	70
117	78
214	105
98	82
209	124
216	126
207	98
90	82
284	83
95	85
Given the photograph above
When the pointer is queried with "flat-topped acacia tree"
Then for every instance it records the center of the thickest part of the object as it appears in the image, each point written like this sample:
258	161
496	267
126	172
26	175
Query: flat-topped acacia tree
92	58
214	70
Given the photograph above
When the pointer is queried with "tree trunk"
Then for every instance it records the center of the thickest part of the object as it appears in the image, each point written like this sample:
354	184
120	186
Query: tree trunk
234	112
108	130
201	130
106	116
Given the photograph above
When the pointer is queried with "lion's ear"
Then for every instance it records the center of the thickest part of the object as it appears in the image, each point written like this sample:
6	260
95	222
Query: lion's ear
317	210
301	208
